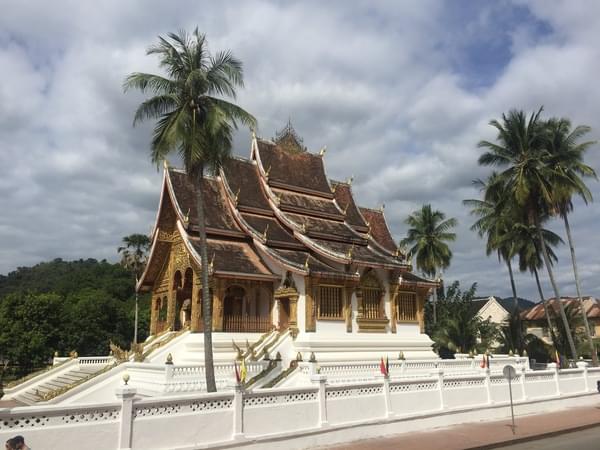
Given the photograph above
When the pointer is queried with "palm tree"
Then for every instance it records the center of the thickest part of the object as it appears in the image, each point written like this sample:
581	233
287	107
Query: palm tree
567	159
495	221
528	177
196	122
427	236
134	255
525	239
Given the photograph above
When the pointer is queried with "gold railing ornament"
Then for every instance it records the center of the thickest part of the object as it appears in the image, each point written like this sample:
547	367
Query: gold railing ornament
278	356
401	356
510	353
524	353
126	378
299	356
169	360
471	355
313	358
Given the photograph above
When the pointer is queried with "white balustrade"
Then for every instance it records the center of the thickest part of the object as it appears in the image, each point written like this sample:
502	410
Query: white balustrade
236	416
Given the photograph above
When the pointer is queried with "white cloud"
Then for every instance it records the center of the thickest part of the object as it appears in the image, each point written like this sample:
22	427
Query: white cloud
381	85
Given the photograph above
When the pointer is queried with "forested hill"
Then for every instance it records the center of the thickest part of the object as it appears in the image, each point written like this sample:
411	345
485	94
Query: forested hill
64	306
65	277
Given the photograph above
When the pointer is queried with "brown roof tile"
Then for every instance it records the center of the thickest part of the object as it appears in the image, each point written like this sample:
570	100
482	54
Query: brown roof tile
303	170
328	228
309	204
217	213
344	198
360	253
537	312
379	229
242	178
233	257
275	232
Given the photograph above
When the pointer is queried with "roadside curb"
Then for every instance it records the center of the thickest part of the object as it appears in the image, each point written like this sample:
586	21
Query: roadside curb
534	437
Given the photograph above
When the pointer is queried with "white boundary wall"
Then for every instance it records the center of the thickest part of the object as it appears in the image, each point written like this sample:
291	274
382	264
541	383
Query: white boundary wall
302	417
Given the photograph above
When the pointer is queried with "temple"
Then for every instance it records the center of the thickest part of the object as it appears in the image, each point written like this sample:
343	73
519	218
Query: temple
290	251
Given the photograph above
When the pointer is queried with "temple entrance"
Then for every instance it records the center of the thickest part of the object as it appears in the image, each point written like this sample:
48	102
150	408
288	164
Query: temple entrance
244	312
284	313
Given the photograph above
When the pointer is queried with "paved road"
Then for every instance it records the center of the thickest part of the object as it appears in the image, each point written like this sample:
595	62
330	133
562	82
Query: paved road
580	440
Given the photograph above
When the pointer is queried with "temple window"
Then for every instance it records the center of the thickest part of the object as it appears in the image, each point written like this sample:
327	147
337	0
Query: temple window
407	306
330	302
372	295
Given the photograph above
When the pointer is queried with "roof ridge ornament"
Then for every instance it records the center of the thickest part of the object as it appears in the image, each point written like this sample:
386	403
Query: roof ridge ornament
306	262
268	171
289	140
236	197
350	180
264	235
350	252
323	151
186	218
382	207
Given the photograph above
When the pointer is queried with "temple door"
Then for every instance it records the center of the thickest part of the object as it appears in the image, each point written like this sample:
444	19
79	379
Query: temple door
284	313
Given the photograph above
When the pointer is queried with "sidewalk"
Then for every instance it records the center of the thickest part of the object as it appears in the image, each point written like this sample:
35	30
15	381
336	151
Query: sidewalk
485	435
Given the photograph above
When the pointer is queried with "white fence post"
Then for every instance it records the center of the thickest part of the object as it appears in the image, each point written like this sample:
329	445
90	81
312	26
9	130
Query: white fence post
322	380
238	412
523	371
555	367
487	382
127	396
439	373
386	394
583	365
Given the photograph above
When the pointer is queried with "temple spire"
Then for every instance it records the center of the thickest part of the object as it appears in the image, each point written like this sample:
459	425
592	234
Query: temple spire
289	140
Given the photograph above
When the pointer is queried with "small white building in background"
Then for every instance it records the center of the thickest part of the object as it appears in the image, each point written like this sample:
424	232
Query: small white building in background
498	309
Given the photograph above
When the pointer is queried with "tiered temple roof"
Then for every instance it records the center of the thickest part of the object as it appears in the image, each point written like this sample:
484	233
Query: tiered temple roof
280	207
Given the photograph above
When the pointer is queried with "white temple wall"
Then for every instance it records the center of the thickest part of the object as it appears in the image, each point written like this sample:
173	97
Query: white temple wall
301	307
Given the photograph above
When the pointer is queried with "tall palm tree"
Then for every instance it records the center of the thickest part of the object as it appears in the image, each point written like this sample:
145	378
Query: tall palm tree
196	122
530	181
495	221
134	255
567	159
525	239
427	237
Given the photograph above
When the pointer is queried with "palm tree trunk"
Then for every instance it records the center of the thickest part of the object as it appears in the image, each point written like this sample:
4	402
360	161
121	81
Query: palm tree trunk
546	309
516	306
578	287
561	308
206	299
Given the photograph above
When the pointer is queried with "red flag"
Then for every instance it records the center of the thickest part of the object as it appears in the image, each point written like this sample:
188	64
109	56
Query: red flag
237	373
382	367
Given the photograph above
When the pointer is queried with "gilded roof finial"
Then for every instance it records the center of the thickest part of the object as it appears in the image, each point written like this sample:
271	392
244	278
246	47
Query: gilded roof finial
303	228
166	163
267	172
345	210
333	188
237	196
186	218
253	133
211	266
306	262
350	180
264	235
278	196
350	252
323	151
382	207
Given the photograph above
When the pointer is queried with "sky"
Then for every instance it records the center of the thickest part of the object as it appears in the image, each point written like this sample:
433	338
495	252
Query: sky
399	91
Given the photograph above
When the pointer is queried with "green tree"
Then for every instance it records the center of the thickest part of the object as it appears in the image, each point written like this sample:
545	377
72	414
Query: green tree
195	121
513	336
134	256
520	149
495	221
567	158
427	238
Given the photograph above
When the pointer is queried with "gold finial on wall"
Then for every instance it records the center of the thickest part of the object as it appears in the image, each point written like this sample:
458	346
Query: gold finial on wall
323	151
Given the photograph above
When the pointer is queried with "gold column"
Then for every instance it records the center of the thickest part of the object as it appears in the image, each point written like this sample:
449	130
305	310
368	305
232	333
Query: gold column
217	309
348	290
293	322
196	302
154	315
171	306
394	287
309	306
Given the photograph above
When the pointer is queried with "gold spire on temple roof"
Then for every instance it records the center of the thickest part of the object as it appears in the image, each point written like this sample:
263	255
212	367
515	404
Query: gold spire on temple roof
264	235
350	180
236	197
289	140
382	207
323	151
350	252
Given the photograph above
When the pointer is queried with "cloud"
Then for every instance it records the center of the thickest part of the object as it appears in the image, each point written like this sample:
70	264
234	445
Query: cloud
400	92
